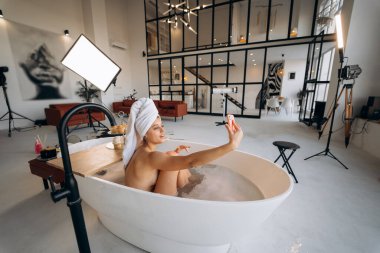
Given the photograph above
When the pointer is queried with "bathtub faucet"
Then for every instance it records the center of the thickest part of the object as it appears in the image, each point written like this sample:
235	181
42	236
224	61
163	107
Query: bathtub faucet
57	195
70	188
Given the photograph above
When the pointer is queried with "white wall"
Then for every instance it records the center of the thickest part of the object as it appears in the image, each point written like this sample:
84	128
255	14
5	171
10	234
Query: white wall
42	14
291	87
362	40
362	48
102	21
137	44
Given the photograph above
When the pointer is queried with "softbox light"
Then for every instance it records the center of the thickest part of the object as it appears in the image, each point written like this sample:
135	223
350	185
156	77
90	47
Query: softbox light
88	61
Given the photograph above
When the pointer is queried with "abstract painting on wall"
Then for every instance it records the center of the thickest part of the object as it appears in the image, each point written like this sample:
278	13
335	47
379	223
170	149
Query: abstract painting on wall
272	84
37	54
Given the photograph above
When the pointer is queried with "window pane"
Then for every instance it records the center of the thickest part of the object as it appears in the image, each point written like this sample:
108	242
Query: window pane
190	33
165	72
150	7
236	71
163	8
204	69
219	69
217	101
176	37
152	42
203	98
258	21
221	23
190	91
232	107
177	71
190	70
239	22
252	99
279	20
164	37
153	72
302	21
325	16
205	28
255	63
154	92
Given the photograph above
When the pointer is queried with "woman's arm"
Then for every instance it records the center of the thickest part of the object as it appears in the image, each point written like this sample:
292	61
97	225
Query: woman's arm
164	161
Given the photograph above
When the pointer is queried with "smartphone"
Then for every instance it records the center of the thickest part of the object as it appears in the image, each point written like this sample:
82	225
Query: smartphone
231	121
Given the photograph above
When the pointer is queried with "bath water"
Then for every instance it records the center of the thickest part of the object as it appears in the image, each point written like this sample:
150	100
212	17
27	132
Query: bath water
218	183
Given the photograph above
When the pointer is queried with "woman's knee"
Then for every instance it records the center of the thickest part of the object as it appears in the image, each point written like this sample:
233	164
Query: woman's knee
167	183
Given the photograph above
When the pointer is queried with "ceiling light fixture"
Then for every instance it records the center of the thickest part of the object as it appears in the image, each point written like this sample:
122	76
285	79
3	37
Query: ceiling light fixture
177	9
1	14
66	32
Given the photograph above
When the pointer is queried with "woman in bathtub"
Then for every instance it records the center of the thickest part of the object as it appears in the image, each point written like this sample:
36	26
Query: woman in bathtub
151	170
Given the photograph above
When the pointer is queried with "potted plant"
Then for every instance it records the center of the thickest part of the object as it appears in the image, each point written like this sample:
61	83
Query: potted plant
87	93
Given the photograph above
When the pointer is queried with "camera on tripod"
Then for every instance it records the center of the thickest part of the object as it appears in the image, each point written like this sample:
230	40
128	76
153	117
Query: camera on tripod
2	76
350	72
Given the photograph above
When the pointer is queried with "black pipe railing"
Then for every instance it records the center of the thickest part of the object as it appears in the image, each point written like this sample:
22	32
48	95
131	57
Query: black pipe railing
70	188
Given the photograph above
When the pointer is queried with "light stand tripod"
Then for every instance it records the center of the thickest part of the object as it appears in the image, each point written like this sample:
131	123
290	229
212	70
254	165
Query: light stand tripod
347	88
327	152
10	112
88	92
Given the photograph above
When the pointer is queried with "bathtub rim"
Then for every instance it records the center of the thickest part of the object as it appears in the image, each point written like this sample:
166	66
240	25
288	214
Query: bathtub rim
285	193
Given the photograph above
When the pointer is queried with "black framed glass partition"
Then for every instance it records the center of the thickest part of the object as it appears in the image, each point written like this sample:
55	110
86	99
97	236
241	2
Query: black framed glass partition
214	24
230	43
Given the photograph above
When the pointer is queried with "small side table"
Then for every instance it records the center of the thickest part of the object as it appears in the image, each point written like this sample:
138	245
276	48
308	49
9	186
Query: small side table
42	169
282	147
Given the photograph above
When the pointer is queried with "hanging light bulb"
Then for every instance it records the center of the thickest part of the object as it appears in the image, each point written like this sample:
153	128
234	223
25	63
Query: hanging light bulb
188	26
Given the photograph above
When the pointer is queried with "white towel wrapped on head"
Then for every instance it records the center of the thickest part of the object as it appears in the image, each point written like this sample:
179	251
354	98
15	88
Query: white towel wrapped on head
143	114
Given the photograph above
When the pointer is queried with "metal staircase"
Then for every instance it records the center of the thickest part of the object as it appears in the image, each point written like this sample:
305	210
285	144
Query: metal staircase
206	81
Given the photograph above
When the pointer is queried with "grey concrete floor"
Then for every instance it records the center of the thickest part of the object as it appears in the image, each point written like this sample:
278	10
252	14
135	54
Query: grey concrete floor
331	209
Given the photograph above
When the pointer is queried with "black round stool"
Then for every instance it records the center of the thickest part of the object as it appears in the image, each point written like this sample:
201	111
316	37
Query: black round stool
282	147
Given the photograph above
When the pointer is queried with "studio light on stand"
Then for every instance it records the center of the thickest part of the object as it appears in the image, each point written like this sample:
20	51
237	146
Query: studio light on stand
85	59
340	45
10	112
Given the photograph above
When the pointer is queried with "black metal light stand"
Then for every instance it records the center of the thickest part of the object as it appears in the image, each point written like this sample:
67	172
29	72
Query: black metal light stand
223	122
70	188
10	112
90	118
326	151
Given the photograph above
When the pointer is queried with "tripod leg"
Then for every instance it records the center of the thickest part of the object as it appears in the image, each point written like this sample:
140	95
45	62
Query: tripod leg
22	116
4	115
334	157
318	154
332	108
9	126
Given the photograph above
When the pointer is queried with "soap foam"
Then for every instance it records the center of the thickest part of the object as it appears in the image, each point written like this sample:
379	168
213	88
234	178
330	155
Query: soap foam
219	183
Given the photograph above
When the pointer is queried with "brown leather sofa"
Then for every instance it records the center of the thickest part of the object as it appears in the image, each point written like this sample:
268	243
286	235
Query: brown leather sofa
165	108
55	113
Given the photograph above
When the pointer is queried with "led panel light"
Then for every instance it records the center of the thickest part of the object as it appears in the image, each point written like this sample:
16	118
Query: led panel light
88	61
339	30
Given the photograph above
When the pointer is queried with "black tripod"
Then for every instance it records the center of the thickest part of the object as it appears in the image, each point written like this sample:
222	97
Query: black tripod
10	112
220	123
88	92
327	152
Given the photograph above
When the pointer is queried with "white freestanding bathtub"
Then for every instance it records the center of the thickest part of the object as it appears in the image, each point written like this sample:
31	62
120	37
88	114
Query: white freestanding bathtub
159	223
